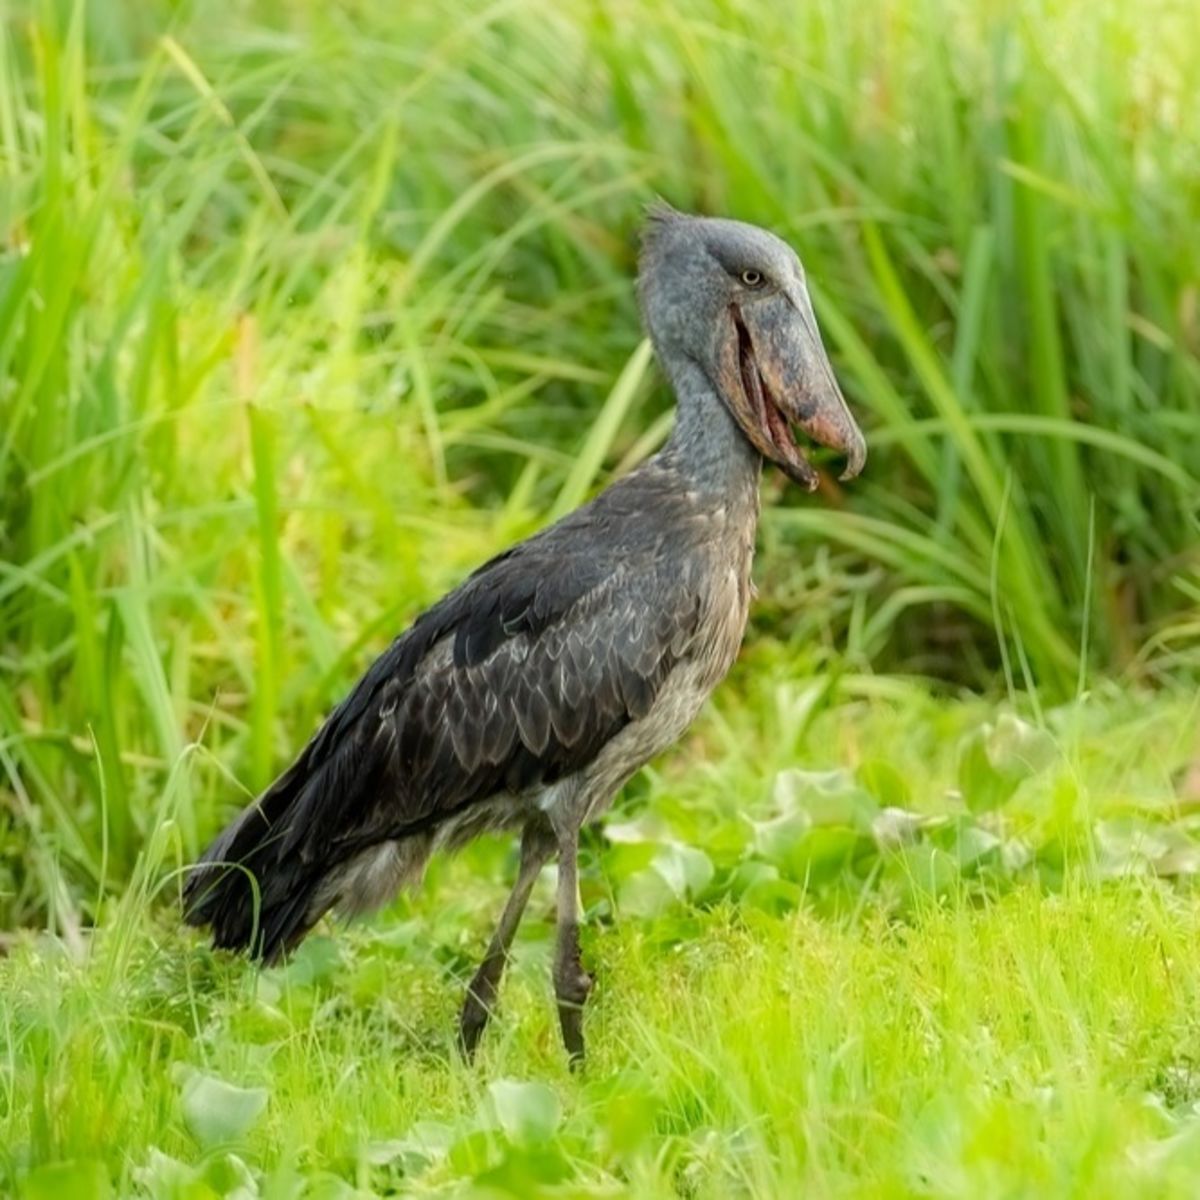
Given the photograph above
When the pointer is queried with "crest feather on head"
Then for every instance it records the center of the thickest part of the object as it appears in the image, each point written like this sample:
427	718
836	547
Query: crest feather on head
659	215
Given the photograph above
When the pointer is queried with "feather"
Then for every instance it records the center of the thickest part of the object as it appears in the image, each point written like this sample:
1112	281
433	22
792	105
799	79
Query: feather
515	680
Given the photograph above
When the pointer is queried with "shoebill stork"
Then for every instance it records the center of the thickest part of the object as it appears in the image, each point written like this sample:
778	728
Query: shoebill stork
525	698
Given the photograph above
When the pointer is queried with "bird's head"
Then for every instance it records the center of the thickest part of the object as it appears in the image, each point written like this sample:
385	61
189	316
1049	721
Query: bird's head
731	298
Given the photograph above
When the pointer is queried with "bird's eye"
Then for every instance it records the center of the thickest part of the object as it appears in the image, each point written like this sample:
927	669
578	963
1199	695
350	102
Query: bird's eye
752	279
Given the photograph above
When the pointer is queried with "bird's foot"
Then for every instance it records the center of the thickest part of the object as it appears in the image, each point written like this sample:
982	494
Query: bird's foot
476	1012
571	991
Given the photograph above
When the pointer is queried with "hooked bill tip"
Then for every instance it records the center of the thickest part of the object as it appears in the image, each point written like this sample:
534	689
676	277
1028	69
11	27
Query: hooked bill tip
856	459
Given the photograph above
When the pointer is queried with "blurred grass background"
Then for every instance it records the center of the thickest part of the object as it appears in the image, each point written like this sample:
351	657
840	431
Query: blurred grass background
305	308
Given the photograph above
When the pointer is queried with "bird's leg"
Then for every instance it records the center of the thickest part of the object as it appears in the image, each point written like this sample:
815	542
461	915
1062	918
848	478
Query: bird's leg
571	982
537	844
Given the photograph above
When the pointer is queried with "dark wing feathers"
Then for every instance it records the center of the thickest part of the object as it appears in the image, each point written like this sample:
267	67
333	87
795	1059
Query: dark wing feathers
558	683
516	679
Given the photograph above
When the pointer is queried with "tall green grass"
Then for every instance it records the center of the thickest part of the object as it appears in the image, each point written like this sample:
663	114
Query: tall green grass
306	308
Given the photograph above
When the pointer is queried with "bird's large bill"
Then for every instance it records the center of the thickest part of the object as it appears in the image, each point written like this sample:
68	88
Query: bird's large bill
775	374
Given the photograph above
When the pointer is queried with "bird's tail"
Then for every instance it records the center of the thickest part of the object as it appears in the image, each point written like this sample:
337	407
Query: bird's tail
254	896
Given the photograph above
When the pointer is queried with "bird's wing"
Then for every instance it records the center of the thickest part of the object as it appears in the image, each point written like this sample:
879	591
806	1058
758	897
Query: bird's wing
515	680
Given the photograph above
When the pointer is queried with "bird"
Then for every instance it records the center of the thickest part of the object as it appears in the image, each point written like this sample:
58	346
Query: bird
525	698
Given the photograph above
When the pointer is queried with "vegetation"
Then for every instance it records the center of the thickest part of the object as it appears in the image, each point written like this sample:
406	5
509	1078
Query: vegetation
1005	1003
307	308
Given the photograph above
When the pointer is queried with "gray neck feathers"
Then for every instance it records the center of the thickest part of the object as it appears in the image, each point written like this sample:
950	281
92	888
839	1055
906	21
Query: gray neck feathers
706	446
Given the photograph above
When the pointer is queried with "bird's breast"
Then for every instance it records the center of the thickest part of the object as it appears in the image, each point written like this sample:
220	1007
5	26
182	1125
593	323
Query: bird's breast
723	602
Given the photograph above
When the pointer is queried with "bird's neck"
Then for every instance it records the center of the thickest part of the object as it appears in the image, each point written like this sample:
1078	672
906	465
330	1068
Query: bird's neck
706	447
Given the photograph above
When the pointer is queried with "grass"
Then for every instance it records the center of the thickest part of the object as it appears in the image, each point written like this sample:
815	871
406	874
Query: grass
951	1023
293	337
306	310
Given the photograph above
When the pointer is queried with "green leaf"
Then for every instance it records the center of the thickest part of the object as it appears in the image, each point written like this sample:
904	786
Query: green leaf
220	1177
1179	860
826	797
924	869
1134	846
967	843
806	851
775	897
750	873
996	759
168	1177
230	1177
676	873
687	871
775	840
528	1113
425	1143
885	783
216	1111
824	851
645	827
315	960
473	1153
325	1185
983	787
758	885
1018	748
646	893
80	1179
624	859
895	827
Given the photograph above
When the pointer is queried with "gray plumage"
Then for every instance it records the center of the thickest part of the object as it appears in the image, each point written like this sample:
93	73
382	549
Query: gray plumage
527	696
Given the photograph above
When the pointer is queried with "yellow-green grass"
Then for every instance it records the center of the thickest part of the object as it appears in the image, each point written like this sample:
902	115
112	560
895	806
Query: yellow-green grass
903	1025
306	308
